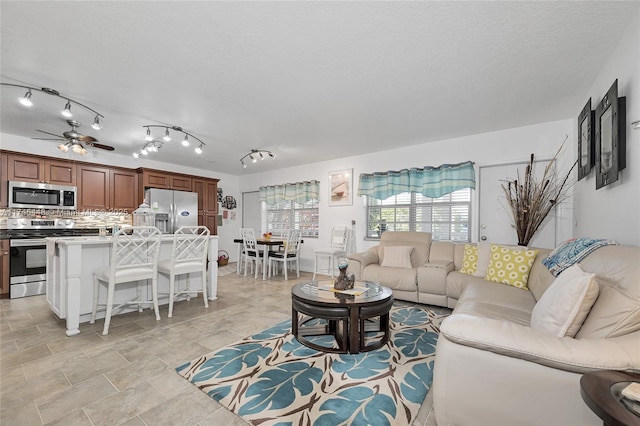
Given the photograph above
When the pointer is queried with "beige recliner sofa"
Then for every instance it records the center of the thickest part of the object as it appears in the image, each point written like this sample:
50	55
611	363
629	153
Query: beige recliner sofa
492	367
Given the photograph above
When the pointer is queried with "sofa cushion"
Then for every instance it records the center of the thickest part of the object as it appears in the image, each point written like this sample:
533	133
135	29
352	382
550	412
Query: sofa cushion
470	259
493	300
617	309
566	303
510	266
420	241
397	257
394	278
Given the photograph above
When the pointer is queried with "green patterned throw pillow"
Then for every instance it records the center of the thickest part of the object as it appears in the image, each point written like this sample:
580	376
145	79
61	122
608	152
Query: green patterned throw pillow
510	266
470	259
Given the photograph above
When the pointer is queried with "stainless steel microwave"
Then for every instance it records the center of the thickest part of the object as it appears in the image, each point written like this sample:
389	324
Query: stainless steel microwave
29	195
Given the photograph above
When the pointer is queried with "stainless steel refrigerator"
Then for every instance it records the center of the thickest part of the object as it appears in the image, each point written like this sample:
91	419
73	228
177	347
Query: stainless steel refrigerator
172	209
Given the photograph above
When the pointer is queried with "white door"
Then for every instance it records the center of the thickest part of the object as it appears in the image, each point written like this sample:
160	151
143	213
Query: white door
494	218
251	211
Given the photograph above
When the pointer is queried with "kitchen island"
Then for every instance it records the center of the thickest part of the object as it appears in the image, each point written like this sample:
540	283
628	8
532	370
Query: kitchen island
71	262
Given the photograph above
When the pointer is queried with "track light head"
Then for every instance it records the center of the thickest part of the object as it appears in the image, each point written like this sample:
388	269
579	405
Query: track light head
272	155
96	123
26	99
185	141
67	110
261	156
136	155
166	136
198	150
244	166
144	151
148	138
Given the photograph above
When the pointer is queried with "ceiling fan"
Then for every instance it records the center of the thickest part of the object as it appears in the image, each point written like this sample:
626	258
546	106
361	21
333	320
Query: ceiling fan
74	140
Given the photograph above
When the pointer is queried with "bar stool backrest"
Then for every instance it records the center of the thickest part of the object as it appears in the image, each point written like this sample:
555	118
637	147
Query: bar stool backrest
135	247
190	244
339	237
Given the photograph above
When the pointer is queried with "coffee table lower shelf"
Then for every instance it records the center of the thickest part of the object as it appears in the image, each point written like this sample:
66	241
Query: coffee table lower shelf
347	320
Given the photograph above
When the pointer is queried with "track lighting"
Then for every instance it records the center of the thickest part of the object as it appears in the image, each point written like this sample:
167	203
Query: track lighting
153	145
254	154
27	101
67	110
96	123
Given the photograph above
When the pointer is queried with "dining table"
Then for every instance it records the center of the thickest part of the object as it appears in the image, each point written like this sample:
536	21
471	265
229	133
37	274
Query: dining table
267	243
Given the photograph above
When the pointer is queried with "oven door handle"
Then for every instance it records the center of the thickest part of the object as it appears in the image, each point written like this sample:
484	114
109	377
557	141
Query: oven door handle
27	242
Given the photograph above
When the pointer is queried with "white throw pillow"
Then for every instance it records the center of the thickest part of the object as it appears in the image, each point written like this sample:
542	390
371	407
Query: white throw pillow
397	257
564	306
484	254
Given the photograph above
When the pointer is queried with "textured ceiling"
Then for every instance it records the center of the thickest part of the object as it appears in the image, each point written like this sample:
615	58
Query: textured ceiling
310	81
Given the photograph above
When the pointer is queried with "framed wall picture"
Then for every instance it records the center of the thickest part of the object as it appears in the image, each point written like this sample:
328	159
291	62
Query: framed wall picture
341	188
586	142
610	137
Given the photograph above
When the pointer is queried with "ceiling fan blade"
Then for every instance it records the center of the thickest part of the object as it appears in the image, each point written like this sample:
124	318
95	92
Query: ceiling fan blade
52	134
100	146
49	139
86	138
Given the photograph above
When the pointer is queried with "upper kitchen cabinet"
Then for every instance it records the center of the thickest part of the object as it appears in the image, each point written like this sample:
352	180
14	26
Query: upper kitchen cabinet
4	188
164	180
207	190
105	188
24	168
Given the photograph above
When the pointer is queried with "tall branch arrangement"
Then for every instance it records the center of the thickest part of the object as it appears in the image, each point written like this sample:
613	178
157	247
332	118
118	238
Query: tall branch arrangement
530	199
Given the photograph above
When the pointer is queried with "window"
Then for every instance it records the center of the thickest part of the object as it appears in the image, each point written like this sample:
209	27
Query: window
447	217
285	215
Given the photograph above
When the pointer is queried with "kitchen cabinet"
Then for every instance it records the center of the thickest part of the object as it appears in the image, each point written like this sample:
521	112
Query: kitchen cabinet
4	187
24	168
207	190
105	188
4	267
163	180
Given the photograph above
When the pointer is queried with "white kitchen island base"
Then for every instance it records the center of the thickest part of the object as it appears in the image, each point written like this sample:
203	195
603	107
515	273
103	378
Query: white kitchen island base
70	265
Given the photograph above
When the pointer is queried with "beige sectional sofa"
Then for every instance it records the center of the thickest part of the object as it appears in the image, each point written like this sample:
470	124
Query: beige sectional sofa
492	367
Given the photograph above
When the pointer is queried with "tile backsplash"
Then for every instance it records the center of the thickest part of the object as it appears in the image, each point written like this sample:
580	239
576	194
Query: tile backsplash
83	219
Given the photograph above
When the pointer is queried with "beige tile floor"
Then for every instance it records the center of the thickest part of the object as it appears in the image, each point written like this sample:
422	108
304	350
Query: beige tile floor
128	376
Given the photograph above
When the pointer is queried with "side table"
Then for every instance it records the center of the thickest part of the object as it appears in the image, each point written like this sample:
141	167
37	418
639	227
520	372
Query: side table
600	390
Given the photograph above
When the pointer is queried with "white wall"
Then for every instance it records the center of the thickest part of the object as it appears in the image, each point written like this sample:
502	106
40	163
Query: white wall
498	147
612	211
228	183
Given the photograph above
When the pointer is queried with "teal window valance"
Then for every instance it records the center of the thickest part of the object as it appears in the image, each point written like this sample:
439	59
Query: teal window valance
433	182
300	192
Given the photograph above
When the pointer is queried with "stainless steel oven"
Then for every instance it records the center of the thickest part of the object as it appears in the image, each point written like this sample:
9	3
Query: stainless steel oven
28	252
28	267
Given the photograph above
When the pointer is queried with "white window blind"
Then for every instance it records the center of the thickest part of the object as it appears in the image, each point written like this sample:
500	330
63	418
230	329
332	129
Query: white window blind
285	215
446	217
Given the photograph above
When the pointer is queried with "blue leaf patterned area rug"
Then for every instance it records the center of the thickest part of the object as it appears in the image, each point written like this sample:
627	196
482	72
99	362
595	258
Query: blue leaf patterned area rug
271	379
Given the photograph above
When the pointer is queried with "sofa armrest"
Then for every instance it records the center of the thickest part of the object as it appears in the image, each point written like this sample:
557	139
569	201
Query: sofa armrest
564	353
359	261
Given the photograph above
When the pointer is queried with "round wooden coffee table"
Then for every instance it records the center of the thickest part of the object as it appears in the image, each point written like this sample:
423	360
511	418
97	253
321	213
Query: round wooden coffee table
347	317
601	390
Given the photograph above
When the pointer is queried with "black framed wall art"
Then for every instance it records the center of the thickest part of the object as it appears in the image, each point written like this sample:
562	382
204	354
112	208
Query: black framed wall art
586	142
610	149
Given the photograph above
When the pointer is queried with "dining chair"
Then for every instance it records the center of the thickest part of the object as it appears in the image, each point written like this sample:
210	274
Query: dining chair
188	256
337	248
289	254
252	255
134	258
241	251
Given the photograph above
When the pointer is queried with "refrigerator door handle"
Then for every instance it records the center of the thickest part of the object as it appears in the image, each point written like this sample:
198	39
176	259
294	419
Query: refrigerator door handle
172	218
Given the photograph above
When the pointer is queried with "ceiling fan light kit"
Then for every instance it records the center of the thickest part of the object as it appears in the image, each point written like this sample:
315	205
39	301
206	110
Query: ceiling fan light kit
153	145
254	154
74	140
